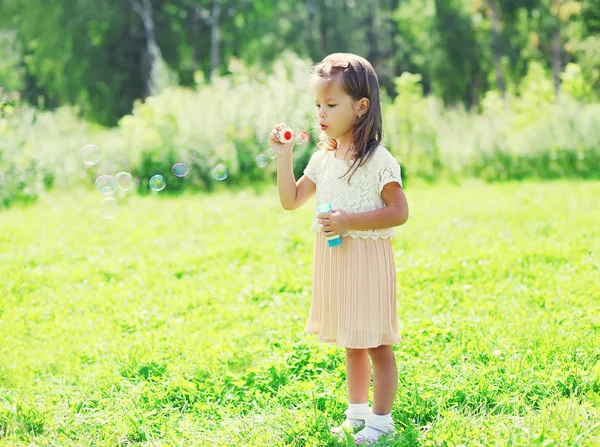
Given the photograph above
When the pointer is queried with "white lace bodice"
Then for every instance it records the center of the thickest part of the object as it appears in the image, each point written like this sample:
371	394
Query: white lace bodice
364	191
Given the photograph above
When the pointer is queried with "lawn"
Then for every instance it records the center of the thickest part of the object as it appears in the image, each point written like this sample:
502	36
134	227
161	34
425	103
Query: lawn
180	322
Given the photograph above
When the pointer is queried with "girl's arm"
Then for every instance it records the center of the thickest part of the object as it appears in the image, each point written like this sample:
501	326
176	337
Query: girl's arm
292	194
394	213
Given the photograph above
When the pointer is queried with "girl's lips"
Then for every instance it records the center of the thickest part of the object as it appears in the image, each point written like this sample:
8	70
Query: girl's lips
323	127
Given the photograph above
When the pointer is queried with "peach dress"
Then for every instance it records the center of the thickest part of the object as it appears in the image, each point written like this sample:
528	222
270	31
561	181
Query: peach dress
354	285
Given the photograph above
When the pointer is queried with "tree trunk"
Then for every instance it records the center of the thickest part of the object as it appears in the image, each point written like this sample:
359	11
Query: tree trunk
195	25
144	9
323	25
496	47
370	25
394	44
555	51
215	36
312	36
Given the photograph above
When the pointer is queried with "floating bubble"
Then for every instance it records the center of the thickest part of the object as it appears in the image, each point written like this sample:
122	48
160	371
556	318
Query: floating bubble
124	181
109	208
262	160
302	137
180	169
157	183
106	184
272	153
219	172
90	154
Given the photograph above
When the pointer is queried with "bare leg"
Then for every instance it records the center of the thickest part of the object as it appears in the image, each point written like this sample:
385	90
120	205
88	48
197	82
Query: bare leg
385	378
358	375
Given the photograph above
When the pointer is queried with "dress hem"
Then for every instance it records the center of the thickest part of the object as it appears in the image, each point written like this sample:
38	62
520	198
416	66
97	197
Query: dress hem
363	236
398	340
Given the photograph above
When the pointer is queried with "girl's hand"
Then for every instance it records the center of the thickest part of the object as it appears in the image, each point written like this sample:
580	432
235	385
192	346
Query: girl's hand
334	222
278	145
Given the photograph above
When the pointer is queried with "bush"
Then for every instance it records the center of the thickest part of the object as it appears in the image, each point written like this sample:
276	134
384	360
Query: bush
530	133
227	121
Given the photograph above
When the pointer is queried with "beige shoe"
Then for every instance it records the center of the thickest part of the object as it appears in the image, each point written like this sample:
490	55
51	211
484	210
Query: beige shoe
352	422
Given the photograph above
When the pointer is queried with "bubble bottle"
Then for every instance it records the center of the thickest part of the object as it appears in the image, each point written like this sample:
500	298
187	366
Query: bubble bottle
332	241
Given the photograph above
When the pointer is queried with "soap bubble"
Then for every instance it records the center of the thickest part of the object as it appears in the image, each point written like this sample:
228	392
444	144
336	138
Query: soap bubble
219	172
157	183
262	160
109	208
180	169
90	154
272	153
106	184
302	137
124	181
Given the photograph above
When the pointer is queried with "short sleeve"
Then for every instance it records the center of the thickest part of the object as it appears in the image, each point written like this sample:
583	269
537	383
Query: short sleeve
387	170
311	170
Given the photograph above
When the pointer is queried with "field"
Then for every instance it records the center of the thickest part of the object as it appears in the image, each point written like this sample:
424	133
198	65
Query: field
180	323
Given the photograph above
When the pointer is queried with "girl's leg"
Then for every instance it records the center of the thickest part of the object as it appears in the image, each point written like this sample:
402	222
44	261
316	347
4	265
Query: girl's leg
358	375
385	385
385	378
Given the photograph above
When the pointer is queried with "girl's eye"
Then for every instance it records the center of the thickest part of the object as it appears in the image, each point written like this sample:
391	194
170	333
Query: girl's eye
332	105
317	106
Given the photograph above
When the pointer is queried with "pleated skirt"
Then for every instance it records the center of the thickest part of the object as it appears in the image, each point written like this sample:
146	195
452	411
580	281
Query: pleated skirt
354	293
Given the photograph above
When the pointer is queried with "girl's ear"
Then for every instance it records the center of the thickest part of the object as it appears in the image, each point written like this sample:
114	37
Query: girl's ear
363	107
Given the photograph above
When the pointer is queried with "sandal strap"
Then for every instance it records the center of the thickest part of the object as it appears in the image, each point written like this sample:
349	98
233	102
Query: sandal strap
384	428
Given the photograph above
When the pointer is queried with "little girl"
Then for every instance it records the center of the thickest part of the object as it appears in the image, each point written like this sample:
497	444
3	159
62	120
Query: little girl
354	284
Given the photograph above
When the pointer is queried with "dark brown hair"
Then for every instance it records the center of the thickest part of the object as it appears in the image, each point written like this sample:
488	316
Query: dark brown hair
358	79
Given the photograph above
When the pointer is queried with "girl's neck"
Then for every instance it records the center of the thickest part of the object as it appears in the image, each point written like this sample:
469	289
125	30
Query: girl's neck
344	141
344	151
344	146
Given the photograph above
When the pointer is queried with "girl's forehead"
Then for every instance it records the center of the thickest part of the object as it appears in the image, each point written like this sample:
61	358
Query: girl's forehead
329	90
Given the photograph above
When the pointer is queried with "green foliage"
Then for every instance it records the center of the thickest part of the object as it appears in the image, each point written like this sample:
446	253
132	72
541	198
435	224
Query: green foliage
180	322
536	96
574	83
95	54
531	133
410	131
227	121
83	53
12	73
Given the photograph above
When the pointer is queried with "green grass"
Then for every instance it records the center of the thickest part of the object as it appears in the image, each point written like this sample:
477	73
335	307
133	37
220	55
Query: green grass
180	322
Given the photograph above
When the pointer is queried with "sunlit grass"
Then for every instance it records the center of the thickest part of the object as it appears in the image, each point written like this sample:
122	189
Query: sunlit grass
180	322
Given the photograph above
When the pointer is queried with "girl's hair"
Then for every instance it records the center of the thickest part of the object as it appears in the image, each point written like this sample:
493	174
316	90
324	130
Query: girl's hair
358	79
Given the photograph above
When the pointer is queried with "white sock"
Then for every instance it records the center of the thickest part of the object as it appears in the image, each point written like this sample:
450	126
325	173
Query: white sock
382	418
351	423
359	408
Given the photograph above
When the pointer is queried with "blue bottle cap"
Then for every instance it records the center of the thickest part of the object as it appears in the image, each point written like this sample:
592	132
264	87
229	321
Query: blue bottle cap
324	207
335	242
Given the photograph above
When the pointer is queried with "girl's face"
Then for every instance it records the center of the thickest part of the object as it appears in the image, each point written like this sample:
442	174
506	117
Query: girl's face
337	111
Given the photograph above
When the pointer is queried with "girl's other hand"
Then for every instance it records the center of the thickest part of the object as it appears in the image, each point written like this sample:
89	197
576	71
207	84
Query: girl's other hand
334	222
278	145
